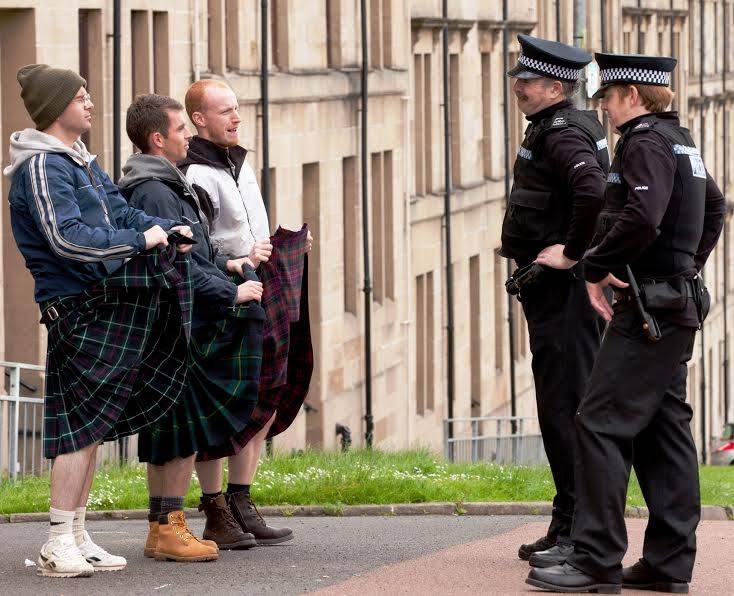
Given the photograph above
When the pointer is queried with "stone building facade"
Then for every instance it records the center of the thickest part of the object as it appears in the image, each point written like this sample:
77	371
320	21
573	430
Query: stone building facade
315	173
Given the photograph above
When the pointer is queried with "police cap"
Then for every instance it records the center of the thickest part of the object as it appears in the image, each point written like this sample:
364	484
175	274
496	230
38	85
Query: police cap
552	59
631	69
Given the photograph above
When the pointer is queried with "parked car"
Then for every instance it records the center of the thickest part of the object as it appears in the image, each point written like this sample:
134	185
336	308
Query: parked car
723	455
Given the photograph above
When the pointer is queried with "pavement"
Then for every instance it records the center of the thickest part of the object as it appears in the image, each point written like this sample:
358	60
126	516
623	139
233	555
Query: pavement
346	555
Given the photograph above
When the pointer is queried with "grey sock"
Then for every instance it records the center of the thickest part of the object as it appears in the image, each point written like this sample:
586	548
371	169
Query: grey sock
169	504
154	504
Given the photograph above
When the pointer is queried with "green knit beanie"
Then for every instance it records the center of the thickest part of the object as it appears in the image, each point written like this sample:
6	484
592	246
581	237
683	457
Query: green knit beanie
47	91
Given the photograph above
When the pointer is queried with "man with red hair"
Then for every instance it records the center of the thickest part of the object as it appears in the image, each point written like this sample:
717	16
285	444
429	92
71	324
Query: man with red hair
240	227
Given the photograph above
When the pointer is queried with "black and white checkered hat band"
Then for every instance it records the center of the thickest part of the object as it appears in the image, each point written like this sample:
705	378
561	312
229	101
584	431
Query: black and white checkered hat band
555	71
636	75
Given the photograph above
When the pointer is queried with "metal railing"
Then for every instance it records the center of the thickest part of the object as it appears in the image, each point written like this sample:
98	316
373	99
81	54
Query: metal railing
21	428
495	439
21	425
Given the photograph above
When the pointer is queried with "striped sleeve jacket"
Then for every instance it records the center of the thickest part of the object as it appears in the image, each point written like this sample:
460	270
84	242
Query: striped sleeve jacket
71	224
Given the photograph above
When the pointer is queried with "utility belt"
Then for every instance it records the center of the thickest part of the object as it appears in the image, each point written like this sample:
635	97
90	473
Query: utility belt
670	295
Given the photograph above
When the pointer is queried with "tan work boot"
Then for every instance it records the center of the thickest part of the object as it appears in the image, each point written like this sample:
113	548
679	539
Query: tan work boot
152	540
177	543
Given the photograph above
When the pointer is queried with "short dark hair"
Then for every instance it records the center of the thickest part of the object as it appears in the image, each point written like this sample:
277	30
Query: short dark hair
570	88
148	113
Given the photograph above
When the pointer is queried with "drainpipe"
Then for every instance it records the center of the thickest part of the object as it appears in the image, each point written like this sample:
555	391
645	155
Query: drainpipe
639	27
265	186
702	149
116	93
409	404
506	118
725	232
447	220
603	15
369	421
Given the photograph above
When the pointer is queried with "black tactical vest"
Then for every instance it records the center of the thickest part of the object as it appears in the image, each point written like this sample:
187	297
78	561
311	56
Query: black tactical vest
539	209
673	251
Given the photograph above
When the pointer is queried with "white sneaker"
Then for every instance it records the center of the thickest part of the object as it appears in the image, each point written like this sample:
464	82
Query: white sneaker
60	557
98	557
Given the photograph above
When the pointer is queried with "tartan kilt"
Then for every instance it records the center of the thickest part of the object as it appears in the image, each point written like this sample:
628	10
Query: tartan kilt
287	398
126	335
224	371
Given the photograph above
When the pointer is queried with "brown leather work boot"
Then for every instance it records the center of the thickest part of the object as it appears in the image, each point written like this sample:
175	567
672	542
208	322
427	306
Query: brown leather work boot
152	540
221	527
249	518
177	543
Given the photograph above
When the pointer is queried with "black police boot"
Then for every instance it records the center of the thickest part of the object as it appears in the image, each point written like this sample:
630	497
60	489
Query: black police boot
643	577
543	543
565	578
555	555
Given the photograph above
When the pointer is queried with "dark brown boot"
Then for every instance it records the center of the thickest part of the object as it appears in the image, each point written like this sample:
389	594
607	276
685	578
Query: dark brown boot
221	527
249	518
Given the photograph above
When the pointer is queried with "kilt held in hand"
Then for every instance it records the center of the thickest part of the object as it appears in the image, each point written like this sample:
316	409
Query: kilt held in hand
117	354
287	363
224	372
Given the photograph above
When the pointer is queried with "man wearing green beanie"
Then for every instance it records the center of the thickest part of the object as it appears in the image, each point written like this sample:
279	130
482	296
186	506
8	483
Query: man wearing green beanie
81	242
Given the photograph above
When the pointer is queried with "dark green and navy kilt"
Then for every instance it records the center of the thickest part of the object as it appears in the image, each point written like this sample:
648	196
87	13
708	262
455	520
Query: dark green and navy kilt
224	372
123	338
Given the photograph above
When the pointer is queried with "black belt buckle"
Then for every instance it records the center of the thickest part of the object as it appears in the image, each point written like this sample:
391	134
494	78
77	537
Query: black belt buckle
51	313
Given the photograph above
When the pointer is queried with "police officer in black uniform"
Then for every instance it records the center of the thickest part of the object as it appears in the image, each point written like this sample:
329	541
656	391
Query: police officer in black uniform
662	217
557	194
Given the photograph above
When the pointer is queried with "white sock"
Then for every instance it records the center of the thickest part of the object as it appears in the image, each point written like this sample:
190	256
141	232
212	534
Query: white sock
61	522
78	525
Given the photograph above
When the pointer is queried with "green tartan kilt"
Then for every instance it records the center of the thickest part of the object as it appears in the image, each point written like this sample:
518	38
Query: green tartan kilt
125	337
221	390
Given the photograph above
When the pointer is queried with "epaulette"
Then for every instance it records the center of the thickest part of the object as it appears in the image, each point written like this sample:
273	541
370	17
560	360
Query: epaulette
643	126
559	122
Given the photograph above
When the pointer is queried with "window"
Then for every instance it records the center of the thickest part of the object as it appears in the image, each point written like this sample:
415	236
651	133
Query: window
423	133
216	36
150	69
140	44
425	320
475	335
499	311
279	33
350	192
333	34
161	43
232	33
454	118
91	68
487	96
380	36
693	38
382	226
21	332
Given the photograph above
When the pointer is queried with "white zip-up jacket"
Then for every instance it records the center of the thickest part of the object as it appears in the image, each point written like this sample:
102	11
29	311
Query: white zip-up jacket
238	211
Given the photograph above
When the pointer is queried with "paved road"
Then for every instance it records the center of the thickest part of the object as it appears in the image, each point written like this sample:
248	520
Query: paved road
350	555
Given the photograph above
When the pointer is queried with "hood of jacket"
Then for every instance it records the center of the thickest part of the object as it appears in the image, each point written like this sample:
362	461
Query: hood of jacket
204	152
28	142
141	167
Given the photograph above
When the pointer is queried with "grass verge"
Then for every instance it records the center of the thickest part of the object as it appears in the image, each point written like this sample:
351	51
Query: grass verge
333	480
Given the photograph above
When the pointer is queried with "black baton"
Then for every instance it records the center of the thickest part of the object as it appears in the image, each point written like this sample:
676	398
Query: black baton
649	324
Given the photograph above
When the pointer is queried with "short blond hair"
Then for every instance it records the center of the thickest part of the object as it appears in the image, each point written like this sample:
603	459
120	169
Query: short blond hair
195	94
655	98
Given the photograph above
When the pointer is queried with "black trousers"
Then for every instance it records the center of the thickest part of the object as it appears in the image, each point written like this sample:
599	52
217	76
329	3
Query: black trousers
565	333
635	413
